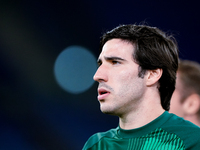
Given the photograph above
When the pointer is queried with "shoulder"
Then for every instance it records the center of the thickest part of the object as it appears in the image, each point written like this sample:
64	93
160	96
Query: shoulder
188	132
179	123
95	138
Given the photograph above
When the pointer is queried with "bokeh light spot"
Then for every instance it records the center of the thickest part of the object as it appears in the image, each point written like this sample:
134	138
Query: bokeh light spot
74	69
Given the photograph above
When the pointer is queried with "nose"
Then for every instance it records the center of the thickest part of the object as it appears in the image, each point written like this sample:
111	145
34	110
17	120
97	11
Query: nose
101	74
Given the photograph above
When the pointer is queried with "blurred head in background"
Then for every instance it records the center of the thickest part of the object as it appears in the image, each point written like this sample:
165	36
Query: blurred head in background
185	100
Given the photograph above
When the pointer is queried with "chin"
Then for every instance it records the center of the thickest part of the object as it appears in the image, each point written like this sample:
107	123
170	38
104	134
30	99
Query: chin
107	109
108	112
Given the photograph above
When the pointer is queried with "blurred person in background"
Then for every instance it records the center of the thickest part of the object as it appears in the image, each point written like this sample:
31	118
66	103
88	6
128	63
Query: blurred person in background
185	100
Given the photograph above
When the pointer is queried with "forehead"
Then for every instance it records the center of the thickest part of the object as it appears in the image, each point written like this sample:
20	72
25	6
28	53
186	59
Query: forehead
119	48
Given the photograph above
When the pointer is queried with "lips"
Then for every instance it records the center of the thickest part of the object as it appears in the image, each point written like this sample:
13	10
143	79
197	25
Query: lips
102	93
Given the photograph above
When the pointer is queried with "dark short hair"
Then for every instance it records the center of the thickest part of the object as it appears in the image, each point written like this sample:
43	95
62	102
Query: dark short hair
153	49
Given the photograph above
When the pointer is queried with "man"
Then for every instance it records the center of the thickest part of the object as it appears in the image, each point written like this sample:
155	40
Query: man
185	100
136	75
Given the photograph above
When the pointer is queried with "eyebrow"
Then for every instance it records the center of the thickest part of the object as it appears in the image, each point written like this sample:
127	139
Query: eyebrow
111	58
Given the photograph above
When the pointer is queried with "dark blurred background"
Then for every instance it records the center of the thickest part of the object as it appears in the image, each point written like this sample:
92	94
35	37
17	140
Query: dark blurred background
35	111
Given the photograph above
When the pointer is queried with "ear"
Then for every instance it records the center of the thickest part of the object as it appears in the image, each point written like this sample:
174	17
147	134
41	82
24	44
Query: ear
192	104
153	76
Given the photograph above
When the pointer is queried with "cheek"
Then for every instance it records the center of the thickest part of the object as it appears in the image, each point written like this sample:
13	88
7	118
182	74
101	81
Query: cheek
130	85
128	74
125	80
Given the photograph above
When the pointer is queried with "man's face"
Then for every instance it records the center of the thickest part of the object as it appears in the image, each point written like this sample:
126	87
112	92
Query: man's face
176	106
120	89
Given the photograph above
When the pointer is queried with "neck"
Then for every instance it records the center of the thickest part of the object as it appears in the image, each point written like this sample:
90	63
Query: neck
139	119
149	109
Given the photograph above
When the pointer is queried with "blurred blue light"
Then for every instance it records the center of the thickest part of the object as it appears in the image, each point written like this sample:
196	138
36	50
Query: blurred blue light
74	69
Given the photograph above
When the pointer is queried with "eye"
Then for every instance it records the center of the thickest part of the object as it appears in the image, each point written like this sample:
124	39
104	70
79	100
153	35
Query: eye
115	62
99	63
